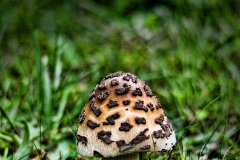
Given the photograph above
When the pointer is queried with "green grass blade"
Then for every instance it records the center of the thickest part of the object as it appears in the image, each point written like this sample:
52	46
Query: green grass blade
195	118
62	105
26	133
46	86
57	64
8	119
204	146
233	156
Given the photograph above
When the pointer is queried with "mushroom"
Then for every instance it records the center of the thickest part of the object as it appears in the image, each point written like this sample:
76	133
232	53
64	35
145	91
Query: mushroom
122	116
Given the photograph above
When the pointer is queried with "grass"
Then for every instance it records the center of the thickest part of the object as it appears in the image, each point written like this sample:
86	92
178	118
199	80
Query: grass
52	53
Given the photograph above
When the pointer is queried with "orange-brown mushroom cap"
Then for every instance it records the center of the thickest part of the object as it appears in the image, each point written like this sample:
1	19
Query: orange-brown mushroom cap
123	116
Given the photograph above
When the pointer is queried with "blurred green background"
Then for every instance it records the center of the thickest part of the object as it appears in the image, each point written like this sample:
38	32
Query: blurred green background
52	53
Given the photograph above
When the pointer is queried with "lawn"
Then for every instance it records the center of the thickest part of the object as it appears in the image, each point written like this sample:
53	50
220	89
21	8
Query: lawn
53	53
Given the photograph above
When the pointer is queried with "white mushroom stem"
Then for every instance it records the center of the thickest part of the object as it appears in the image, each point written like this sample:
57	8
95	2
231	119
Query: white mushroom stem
132	156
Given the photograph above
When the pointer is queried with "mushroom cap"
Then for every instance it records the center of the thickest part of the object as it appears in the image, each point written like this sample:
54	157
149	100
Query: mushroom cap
123	116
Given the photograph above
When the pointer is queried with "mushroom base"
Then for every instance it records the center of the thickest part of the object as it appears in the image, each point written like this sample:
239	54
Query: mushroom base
132	156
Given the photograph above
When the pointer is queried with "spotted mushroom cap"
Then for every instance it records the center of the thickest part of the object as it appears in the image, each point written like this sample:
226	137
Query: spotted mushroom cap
123	116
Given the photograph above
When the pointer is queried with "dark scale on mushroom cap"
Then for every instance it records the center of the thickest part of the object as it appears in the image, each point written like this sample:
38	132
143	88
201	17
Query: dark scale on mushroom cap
158	105
131	77
114	83
112	75
126	102
92	124
95	109
110	120
126	78
82	139
139	105
158	134
138	139
120	143
134	79
102	96
105	136
102	86
112	104
166	130
145	148
121	91
97	154
140	120
82	117
137	92
125	126
150	106
92	95
159	120
147	90
125	147
125	85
